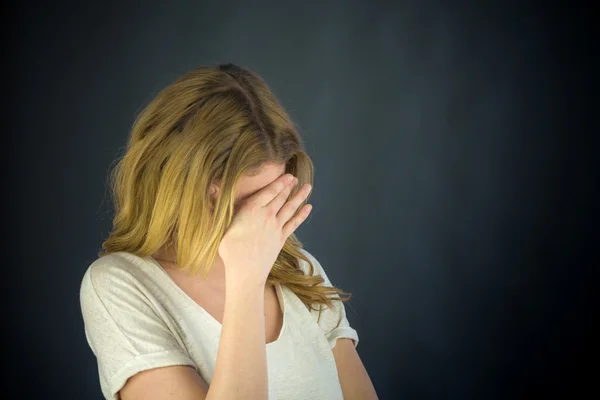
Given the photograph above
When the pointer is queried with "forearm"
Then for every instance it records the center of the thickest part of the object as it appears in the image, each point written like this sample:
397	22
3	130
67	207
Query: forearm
241	365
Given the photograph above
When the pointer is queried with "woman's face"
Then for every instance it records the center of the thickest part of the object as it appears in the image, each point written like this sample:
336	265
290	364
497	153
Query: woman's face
249	185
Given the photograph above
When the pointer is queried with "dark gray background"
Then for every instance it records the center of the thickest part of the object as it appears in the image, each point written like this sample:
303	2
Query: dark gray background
455	180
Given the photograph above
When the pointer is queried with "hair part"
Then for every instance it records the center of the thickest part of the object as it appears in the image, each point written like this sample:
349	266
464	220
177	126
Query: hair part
212	124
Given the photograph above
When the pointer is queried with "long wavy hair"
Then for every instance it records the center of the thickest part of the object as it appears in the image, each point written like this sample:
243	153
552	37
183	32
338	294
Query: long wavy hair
214	124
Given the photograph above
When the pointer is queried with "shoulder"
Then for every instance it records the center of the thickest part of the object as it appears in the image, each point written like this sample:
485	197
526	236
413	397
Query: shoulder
118	265
113	272
317	268
305	265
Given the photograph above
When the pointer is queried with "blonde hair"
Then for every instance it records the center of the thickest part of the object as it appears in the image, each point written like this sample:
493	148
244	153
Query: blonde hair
212	124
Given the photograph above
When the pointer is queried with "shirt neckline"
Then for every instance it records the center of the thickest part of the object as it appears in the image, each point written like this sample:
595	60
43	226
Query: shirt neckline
167	278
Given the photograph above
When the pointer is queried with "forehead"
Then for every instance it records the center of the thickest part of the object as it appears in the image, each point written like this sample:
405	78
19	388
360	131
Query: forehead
250	184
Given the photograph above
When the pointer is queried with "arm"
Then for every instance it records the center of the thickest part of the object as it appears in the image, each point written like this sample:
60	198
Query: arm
241	365
174	382
354	379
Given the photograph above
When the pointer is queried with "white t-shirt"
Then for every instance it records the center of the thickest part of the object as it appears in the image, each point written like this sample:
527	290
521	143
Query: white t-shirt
136	318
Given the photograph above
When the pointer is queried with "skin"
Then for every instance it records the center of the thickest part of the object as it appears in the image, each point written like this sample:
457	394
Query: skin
246	187
184	383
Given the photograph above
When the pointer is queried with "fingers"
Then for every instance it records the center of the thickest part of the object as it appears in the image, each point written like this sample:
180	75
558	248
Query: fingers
271	191
295	222
282	197
290	208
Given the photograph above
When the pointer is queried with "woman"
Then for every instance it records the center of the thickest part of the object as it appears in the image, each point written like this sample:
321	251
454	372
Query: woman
202	289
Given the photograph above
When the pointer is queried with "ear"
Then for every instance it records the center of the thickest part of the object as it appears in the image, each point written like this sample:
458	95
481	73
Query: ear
214	194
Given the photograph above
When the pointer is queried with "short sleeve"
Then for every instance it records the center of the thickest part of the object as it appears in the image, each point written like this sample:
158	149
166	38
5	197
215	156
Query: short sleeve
123	328
333	321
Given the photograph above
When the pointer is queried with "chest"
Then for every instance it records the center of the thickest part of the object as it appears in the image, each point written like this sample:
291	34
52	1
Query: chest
213	302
